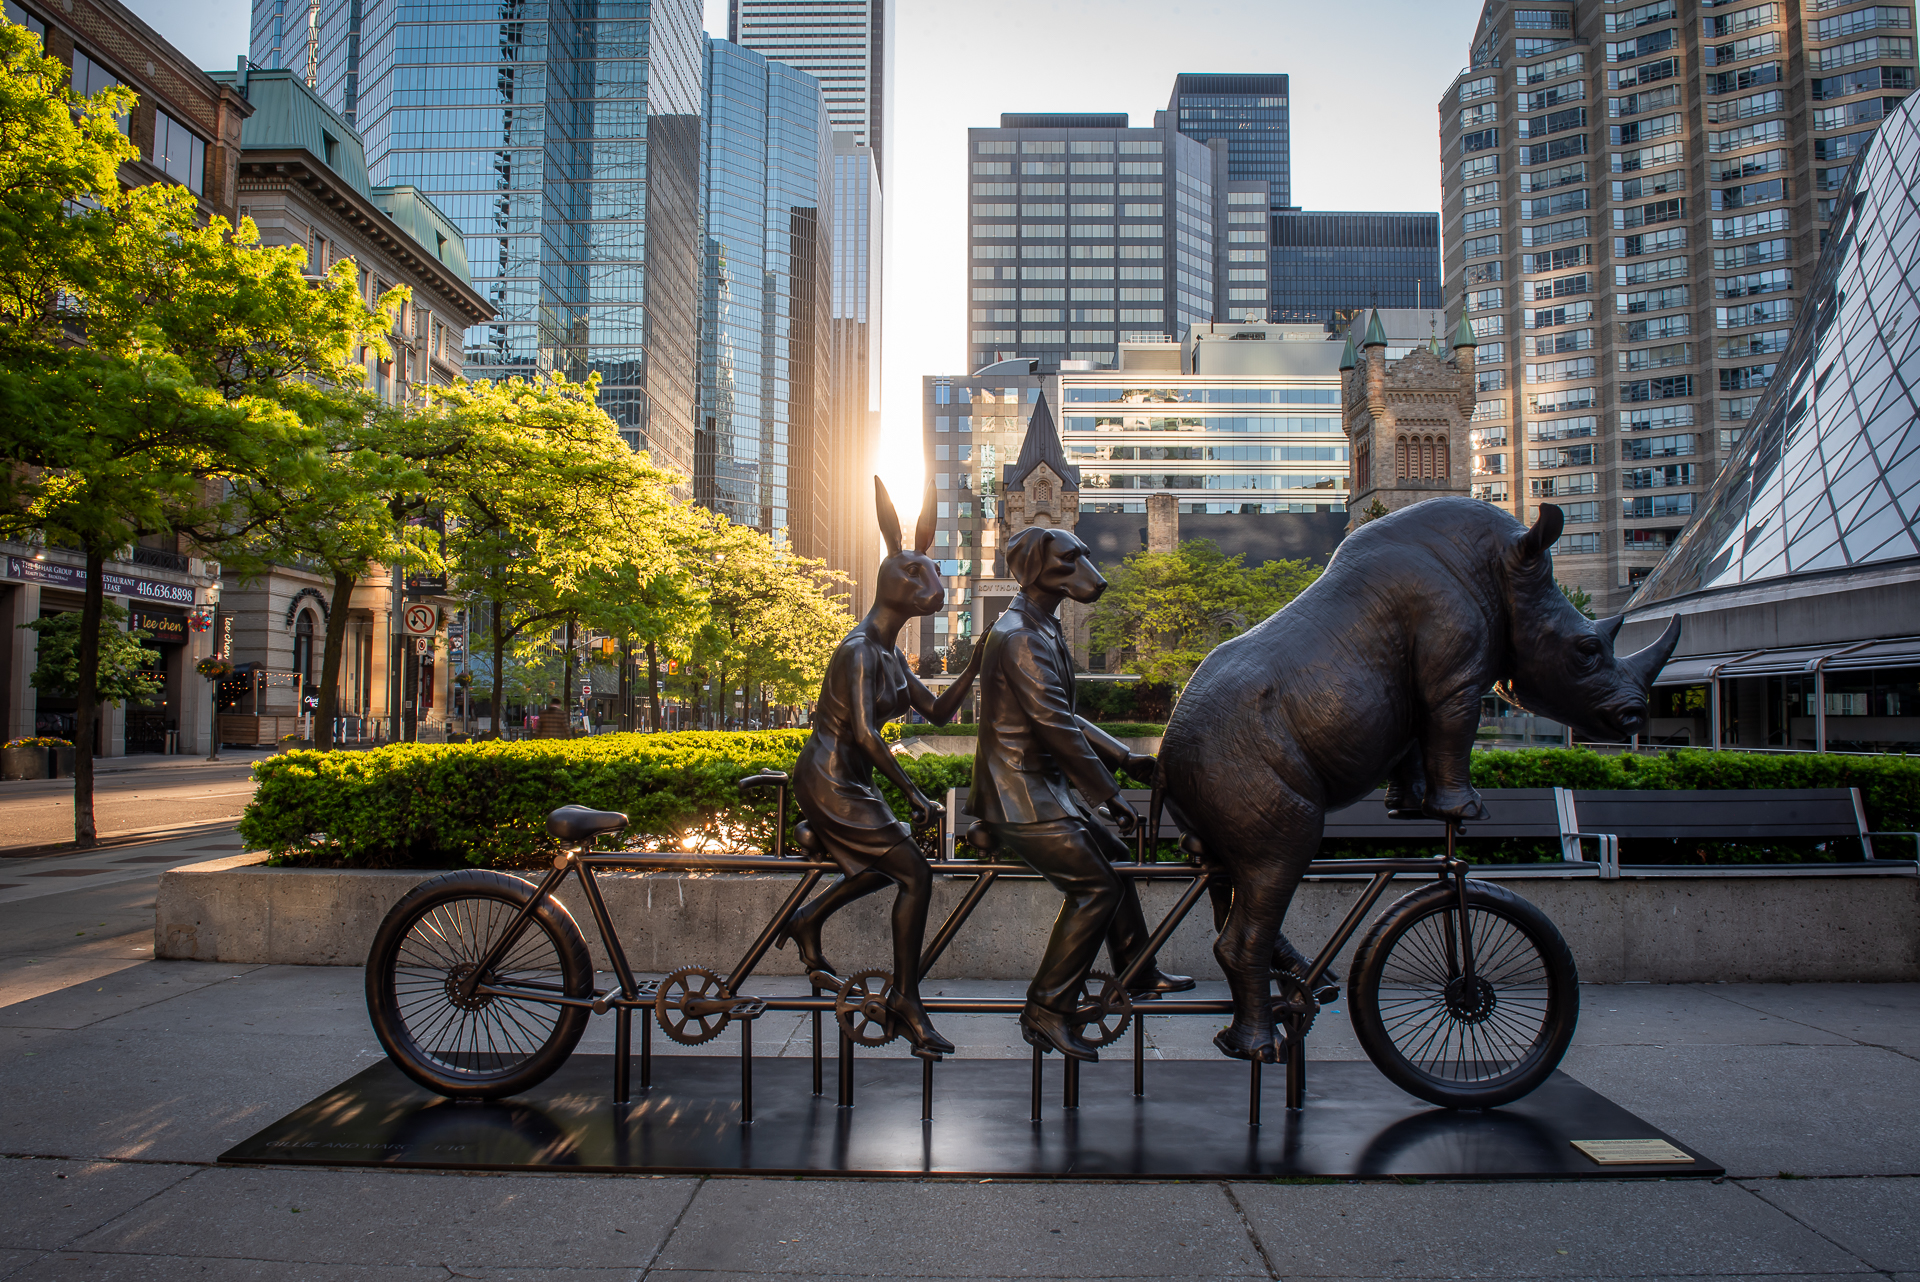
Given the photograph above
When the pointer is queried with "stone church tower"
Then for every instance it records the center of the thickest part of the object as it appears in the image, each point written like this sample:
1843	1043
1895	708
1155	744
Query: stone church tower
1407	423
1042	488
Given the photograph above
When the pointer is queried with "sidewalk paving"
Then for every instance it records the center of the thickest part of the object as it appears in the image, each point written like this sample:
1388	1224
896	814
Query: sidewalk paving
123	1078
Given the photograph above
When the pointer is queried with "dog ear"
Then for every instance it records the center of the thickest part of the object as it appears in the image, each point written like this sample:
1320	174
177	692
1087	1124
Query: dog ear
889	519
923	528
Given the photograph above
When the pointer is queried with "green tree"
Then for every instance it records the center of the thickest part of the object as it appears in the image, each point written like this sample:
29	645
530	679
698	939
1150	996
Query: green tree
125	665
1165	611
544	497
192	344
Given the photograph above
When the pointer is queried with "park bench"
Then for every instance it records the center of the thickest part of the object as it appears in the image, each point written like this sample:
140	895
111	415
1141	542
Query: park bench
1730	814
1515	813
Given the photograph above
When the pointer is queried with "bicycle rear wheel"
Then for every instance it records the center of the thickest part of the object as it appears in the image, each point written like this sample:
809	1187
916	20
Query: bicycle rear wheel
481	1046
1456	1044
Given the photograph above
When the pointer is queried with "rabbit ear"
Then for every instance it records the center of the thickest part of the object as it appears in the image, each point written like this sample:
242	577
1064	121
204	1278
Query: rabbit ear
923	528
889	519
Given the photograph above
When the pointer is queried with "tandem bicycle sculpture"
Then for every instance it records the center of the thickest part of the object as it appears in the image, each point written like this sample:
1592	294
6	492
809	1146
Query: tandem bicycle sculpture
1462	993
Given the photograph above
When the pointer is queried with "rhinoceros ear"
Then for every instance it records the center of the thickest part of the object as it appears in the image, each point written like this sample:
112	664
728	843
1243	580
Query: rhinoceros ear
1535	542
1609	627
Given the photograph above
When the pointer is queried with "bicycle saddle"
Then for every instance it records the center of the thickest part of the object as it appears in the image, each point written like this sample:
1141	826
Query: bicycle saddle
578	823
806	838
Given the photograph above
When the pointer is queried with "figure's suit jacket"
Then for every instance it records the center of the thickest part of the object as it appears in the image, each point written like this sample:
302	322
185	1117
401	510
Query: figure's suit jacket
1034	750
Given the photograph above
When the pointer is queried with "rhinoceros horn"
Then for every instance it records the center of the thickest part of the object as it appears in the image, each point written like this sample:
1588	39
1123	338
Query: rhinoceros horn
1645	664
1609	627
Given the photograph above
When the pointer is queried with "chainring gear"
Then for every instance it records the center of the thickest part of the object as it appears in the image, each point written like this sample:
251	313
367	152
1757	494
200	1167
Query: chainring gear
688	984
860	1008
1102	1020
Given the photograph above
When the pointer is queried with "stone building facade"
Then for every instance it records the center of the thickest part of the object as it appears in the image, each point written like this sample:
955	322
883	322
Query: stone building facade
187	127
302	178
1407	423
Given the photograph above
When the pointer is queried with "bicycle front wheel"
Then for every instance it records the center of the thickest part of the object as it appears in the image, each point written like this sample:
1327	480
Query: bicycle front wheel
476	1045
1457	1043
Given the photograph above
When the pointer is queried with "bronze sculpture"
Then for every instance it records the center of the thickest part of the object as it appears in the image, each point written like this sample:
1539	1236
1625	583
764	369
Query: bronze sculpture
1035	754
1376	672
868	683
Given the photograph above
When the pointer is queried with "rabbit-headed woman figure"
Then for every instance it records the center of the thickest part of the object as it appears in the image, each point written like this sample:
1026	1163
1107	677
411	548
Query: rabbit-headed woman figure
868	683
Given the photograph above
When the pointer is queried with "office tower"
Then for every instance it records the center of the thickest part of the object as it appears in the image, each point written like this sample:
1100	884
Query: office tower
847	45
765	178
1328	267
1633	207
1086	233
1250	112
565	145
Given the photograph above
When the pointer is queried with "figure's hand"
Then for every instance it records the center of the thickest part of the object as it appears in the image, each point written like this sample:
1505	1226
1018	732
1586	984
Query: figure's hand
1141	766
1121	811
926	811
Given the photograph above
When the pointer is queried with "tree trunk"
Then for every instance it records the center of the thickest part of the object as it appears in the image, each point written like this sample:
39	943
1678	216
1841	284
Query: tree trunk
566	680
653	685
87	712
499	670
330	660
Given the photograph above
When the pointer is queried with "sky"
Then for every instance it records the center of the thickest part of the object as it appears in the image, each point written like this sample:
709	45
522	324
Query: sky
1366	84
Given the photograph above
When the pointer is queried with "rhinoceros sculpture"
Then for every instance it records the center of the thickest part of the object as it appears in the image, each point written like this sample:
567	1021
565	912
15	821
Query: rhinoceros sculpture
1375	674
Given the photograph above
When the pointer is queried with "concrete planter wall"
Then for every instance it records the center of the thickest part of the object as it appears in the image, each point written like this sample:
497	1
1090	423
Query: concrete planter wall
23	763
1658	930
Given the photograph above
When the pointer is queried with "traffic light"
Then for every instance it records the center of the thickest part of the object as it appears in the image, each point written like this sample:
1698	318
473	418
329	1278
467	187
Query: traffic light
608	646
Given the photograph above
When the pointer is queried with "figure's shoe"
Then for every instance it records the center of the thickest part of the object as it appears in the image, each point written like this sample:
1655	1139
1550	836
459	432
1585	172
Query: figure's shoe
805	934
924	1040
1050	1031
1288	958
1156	982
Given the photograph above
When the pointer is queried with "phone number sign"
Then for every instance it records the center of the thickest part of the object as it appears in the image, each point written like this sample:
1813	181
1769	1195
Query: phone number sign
54	574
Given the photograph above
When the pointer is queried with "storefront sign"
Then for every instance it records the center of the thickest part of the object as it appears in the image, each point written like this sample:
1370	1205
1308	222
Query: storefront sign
169	628
57	575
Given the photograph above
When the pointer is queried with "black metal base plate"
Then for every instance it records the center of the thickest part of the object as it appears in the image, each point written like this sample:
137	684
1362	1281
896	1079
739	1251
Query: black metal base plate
1191	1123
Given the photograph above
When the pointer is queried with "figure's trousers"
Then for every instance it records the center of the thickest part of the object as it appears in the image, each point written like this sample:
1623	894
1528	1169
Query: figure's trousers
1076	857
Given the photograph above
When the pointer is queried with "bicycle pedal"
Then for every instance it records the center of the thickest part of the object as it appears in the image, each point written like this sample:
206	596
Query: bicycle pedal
752	1008
921	1053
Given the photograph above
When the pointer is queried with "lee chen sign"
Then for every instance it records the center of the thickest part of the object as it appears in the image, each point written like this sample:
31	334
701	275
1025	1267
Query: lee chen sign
56	575
170	628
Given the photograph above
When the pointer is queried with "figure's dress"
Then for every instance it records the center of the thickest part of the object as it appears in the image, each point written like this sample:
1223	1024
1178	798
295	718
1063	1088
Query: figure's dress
833	778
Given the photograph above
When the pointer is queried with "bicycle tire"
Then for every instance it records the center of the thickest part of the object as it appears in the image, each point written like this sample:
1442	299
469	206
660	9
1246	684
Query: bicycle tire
488	1047
1434	1037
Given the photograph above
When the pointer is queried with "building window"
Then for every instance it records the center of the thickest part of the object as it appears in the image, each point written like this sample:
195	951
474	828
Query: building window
1421	457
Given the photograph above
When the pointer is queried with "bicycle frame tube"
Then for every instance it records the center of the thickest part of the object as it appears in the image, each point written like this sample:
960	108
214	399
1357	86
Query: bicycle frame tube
956	919
1168	925
1459	870
616	955
739	974
502	945
1355	915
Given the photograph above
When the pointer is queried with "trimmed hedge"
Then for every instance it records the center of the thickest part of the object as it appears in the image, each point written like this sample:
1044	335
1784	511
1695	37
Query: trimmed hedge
486	803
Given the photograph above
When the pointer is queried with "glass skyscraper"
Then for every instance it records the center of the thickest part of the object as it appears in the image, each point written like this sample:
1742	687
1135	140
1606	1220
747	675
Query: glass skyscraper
564	141
766	173
1327	267
846	45
1250	112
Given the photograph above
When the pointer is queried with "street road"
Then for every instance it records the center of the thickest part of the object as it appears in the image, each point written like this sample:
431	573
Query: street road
129	795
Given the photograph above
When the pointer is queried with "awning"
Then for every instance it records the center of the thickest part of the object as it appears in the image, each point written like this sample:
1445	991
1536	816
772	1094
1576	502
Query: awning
1899	652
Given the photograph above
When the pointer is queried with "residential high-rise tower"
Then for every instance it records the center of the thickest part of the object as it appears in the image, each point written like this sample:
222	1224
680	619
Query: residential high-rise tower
1635	197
